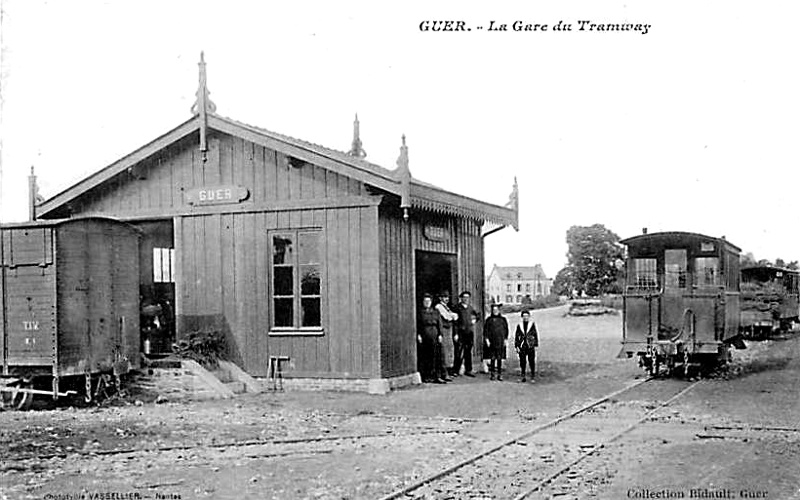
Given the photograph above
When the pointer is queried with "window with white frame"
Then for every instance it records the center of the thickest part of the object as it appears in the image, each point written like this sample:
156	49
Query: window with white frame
163	265
296	279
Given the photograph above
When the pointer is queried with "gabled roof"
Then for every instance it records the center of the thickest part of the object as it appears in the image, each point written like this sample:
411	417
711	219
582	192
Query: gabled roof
423	195
519	272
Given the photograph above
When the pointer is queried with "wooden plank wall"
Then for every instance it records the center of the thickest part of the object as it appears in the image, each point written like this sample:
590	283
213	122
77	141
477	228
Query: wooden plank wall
224	270
398	324
160	181
399	241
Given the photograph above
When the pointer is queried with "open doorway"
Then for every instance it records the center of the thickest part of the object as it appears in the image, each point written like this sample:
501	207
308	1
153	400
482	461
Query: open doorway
157	286
436	272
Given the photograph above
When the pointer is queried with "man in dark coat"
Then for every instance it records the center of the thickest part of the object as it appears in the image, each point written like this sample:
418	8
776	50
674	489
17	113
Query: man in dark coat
495	334
526	340
429	338
464	335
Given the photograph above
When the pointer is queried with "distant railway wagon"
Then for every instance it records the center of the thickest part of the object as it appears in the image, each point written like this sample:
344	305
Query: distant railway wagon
681	300
769	300
70	306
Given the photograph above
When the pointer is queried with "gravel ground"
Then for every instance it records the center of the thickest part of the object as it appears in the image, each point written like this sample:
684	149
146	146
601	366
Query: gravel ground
721	435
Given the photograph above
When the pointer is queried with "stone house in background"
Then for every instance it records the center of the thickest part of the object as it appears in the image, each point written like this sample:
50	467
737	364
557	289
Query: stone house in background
511	285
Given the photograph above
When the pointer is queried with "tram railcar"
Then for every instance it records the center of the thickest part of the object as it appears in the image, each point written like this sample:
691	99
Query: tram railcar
770	300
681	300
70	307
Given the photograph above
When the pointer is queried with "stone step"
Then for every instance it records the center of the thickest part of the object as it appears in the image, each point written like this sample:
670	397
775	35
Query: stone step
236	387
223	376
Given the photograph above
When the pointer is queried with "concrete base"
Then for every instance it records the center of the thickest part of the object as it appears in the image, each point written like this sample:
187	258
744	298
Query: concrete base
370	386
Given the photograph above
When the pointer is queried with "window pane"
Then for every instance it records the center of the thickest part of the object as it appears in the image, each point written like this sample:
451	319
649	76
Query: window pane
282	250
171	265
309	280
644	273
311	316
309	248
706	271
284	279
675	268
284	312
157	276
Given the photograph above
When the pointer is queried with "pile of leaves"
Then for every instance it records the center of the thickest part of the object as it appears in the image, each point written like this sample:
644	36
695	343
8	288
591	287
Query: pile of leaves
206	347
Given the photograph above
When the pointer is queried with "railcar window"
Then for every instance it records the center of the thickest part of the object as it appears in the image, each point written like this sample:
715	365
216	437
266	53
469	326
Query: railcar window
675	268
706	271
644	274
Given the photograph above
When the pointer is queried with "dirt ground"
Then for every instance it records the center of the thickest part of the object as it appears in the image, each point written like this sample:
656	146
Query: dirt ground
737	434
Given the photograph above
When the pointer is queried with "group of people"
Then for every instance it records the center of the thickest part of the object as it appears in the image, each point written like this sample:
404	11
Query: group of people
444	320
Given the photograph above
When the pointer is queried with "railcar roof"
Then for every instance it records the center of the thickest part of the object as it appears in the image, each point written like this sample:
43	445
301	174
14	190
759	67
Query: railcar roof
675	234
770	268
59	222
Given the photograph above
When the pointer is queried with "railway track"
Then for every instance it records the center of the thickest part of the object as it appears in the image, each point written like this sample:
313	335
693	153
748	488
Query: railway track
535	460
277	442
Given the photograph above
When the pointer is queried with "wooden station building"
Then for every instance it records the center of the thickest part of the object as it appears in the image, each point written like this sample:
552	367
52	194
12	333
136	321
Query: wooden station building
290	248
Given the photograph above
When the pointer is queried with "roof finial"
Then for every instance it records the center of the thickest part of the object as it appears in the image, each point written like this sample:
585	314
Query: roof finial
202	106
34	198
203	103
356	149
404	173
513	203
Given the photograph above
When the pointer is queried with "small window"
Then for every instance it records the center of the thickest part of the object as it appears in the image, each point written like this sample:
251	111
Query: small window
508	287
296	279
163	265
706	271
539	288
509	299
519	299
644	274
519	287
527	287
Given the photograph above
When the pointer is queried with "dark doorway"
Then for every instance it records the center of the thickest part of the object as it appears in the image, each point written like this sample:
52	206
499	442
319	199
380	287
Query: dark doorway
157	286
436	272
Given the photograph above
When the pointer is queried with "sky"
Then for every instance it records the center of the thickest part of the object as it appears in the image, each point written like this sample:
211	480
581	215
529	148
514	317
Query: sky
692	126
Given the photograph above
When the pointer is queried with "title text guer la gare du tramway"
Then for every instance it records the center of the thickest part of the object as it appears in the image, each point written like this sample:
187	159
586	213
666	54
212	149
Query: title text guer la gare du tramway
498	26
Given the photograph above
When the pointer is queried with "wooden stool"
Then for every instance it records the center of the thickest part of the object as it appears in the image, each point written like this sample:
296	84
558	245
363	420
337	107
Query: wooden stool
275	370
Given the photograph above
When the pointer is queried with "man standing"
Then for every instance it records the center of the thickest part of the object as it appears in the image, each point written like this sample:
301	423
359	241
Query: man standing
495	334
429	336
464	335
526	340
448	317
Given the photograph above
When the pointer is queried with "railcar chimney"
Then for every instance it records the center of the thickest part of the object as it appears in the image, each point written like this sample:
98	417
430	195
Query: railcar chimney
644	230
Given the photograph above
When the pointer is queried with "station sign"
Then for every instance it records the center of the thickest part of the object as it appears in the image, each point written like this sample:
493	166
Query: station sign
436	233
216	195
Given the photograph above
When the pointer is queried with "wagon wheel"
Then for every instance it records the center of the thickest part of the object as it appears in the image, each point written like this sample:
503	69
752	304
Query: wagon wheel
17	400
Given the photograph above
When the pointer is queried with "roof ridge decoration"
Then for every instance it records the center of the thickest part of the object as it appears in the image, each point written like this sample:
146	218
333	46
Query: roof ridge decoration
513	203
202	106
356	148
404	175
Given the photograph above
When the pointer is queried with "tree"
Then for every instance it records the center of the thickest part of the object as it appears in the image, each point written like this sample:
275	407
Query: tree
565	283
747	260
793	265
594	261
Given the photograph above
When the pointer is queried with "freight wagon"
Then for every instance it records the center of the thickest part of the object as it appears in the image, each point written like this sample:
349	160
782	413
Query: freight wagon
70	307
770	300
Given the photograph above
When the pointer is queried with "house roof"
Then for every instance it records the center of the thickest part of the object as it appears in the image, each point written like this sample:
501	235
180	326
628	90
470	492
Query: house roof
423	195
520	272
